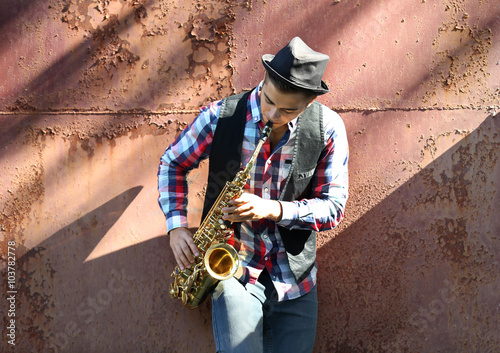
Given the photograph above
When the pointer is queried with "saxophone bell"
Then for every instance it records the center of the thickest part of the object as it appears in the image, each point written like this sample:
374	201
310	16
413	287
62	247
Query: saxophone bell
221	261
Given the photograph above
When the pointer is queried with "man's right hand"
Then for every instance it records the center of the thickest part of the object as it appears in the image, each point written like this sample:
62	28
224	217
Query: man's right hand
183	246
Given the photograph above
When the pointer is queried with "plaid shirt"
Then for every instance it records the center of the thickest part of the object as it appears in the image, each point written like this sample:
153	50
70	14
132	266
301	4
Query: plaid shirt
259	244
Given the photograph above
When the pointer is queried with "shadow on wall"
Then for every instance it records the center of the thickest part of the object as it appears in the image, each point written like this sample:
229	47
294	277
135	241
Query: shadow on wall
116	303
416	272
419	271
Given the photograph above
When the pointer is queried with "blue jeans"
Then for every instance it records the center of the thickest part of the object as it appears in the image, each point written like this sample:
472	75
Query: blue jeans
250	319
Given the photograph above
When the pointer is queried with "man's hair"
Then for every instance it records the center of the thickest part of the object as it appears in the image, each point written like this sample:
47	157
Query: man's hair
287	88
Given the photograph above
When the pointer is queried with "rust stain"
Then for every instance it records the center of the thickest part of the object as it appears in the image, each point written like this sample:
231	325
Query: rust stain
131	55
111	50
451	237
27	189
461	67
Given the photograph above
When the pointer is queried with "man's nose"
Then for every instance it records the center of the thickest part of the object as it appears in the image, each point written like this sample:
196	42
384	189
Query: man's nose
274	113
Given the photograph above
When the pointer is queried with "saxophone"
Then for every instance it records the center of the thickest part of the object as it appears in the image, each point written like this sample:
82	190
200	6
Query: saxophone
217	260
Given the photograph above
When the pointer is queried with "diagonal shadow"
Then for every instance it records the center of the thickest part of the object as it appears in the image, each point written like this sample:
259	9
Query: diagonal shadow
92	227
105	49
59	81
58	262
11	11
402	275
112	303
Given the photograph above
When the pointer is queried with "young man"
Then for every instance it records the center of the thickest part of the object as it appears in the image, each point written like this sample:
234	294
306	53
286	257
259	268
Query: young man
299	186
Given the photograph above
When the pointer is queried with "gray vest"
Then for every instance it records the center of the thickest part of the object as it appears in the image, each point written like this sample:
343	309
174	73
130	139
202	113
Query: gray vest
225	160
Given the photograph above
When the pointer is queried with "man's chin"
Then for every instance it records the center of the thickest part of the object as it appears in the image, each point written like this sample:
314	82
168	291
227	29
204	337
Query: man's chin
276	122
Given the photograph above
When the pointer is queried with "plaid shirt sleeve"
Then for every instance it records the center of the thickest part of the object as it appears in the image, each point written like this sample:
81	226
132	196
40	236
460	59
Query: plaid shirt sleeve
325	209
184	154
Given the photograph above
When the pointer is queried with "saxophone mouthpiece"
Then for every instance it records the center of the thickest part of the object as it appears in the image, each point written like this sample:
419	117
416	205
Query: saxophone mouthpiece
266	131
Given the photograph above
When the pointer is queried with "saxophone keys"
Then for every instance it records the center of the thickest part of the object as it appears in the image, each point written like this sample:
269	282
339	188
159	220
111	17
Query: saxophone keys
184	275
174	290
228	234
184	298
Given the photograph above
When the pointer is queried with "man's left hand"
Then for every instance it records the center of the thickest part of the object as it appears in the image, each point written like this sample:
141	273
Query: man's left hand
249	207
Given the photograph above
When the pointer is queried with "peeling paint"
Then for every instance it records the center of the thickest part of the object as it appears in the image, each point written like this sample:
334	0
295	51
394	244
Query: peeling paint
463	51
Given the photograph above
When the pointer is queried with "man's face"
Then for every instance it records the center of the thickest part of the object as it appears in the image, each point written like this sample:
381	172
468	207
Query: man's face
280	107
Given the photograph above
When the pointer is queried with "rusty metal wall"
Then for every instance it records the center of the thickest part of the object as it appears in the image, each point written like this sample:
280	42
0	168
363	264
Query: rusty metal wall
93	91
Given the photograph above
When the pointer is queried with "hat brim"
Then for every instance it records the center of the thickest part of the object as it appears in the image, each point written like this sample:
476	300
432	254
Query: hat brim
266	58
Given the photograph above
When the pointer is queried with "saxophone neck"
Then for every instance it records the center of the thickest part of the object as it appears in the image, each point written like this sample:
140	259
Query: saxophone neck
266	131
